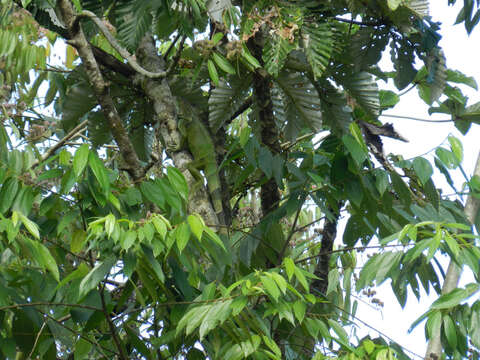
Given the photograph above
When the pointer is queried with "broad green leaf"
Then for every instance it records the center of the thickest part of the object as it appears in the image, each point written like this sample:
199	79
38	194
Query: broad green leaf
301	278
460	78
77	243
275	53
99	171
434	323
456	147
394	4
212	70
338	329
128	239
250	59
333	280
109	224
29	225
160	226
80	159
80	272
270	287
8	193
182	235
44	258
178	181
289	267
196	225
223	63
423	169
450	331
320	46
299	309
453	298
96	275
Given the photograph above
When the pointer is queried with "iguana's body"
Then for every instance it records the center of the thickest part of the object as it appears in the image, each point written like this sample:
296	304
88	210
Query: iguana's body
203	150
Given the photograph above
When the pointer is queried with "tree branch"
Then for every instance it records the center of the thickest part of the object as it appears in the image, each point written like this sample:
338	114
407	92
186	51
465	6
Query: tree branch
101	90
122	51
76	131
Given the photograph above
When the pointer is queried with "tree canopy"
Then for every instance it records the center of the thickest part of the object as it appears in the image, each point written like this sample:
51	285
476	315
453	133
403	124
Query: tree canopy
173	185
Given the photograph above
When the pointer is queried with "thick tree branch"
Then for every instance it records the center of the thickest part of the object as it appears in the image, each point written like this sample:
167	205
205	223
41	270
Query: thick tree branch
101	90
122	51
269	193
328	234
163	101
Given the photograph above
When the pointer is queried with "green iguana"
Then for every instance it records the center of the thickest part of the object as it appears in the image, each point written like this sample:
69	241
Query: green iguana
202	148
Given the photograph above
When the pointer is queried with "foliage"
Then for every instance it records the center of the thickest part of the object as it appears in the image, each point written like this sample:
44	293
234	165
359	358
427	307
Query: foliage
113	247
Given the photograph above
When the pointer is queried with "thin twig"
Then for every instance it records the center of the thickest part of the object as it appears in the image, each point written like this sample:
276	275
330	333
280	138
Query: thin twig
176	57
348	249
79	334
247	103
37	337
46	303
76	131
361	23
290	235
415	118
111	325
172	45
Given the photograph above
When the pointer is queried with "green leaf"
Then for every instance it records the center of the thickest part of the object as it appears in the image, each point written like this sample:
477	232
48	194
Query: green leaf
289	267
338	329
447	158
80	159
77	243
223	63
301	278
363	88
270	287
275	53
460	78
394	4
96	275
453	298
319	47
299	309
80	272
182	235
160	226
423	169
99	171
109	224
212	71
8	193
29	225
457	148
44	258
450	331
152	192
388	99
333	279
250	59
128	239
196	225
178	181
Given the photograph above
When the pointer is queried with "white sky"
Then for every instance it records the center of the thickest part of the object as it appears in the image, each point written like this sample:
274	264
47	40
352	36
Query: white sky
462	53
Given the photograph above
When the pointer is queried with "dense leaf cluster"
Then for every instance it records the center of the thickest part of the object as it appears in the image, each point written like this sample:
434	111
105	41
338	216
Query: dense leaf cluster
178	192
